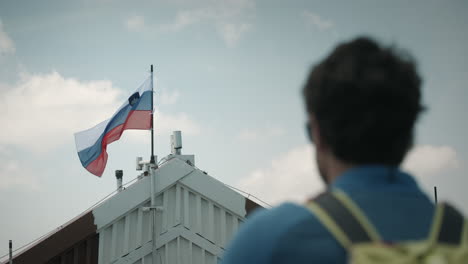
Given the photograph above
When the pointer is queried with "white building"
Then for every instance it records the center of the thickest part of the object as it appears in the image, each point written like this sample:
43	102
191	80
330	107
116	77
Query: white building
181	215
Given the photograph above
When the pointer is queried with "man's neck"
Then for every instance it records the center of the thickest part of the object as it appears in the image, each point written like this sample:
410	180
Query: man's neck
336	168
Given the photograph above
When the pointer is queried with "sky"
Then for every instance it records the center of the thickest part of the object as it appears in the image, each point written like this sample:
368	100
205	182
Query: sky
228	74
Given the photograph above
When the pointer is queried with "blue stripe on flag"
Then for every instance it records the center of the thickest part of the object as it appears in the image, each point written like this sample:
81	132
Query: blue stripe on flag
88	155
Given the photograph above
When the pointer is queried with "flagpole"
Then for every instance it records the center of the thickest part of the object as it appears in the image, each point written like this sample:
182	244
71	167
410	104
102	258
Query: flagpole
152	166
152	121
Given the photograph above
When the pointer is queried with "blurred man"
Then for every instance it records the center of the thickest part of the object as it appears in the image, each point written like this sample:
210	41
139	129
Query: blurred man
362	102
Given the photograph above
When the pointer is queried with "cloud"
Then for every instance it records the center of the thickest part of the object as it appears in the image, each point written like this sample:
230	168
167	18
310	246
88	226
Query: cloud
443	167
44	110
292	176
185	18
169	98
6	44
229	18
249	135
232	33
166	123
428	160
135	23
13	174
317	21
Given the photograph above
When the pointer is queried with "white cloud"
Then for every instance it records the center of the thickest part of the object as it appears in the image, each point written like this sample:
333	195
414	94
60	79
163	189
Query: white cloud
443	167
232	33
166	123
227	16
317	21
169	98
292	176
6	44
14	174
260	134
427	160
42	111
135	23
185	18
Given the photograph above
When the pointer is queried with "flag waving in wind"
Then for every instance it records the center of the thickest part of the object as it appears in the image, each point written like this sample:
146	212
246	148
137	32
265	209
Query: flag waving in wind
135	113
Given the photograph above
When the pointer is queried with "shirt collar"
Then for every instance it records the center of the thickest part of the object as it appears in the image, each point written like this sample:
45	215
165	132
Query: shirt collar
375	177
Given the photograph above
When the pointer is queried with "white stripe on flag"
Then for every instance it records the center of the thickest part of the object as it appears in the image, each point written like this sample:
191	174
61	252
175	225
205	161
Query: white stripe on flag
86	138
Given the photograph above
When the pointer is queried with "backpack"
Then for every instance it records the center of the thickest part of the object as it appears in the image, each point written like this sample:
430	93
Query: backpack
447	242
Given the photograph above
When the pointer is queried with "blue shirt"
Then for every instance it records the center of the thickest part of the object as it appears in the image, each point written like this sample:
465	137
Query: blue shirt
290	233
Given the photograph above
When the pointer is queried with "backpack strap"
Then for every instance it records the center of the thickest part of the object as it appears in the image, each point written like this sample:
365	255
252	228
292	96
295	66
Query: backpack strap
465	233
448	226
343	218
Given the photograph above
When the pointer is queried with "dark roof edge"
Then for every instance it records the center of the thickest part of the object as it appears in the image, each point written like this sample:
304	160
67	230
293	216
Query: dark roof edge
77	230
250	206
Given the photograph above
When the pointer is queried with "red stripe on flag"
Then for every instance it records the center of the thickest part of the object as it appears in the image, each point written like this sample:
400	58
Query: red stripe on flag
138	119
98	165
135	120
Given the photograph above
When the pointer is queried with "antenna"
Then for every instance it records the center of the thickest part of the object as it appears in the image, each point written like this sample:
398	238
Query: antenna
176	143
11	252
119	177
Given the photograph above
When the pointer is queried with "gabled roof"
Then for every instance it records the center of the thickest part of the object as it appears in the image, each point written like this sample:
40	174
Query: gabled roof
195	208
174	170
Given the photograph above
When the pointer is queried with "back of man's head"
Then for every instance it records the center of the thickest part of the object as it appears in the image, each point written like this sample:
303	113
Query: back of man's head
365	99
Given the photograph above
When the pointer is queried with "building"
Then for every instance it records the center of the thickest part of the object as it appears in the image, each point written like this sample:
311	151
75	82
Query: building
176	213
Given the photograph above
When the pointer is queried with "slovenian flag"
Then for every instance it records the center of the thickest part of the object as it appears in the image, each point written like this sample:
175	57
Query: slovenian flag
135	113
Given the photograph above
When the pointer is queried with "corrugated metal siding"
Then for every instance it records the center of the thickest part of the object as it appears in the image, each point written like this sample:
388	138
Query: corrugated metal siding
183	251
75	242
84	252
189	229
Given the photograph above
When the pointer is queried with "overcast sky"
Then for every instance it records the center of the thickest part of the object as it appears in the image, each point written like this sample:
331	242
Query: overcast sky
228	74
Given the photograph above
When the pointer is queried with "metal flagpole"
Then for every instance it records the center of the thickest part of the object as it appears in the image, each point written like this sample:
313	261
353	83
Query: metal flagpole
152	161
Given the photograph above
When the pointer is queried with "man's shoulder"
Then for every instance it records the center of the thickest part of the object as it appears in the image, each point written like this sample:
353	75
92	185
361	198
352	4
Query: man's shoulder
260	236
268	224
282	215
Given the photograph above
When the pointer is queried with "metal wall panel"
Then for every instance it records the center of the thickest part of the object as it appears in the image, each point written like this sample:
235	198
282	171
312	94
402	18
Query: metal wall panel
190	228
182	251
84	252
75	242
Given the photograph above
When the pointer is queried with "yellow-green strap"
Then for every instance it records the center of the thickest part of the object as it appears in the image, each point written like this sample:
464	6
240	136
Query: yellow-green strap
343	218
436	223
330	224
465	233
358	214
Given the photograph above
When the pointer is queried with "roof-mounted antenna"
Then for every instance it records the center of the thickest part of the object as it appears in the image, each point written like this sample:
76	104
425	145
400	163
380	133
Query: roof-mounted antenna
119	177
176	143
11	252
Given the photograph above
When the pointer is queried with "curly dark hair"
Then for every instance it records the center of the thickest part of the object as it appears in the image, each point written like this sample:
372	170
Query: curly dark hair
366	99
